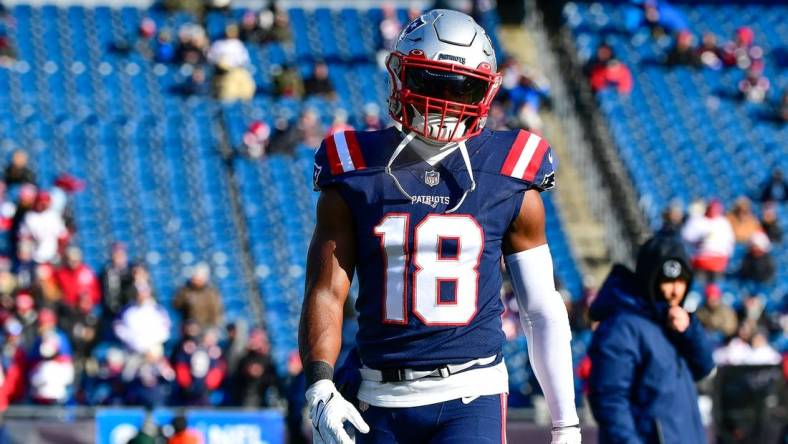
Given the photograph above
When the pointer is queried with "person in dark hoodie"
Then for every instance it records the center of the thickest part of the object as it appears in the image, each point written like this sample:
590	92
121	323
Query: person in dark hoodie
647	351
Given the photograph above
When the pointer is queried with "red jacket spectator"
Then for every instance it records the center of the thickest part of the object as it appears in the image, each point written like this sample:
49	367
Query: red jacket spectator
199	369
613	74
76	279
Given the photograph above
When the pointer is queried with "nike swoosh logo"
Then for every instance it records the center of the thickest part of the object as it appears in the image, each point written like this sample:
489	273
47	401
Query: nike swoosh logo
468	399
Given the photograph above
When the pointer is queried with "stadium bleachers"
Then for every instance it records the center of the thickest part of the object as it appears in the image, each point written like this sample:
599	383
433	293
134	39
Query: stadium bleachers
682	133
83	100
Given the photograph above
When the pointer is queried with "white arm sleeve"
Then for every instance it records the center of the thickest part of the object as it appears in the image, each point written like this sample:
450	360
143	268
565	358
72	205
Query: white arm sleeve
546	325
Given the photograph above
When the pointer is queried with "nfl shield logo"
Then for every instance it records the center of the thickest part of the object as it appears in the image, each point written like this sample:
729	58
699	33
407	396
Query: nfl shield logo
432	178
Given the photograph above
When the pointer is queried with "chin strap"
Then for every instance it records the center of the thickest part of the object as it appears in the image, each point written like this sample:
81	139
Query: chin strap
466	159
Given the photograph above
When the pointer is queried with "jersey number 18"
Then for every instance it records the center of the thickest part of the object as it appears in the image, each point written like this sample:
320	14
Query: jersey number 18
432	268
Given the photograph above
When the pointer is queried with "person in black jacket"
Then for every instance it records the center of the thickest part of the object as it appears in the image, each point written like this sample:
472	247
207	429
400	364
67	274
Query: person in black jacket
647	351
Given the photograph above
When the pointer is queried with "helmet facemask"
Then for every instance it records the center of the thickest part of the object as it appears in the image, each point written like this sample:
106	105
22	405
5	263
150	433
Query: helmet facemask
441	102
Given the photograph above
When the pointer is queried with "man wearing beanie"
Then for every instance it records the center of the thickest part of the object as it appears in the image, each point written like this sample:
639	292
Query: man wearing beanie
647	351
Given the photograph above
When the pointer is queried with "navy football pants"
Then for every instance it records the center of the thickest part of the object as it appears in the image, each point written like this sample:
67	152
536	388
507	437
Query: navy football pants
483	420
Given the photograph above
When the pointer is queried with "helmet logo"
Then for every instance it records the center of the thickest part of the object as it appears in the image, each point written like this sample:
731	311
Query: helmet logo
415	24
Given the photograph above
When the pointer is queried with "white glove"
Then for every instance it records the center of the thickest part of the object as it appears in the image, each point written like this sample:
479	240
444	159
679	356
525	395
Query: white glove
328	411
566	435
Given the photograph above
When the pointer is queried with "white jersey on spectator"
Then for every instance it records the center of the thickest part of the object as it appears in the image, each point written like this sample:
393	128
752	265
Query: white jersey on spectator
230	53
143	327
44	229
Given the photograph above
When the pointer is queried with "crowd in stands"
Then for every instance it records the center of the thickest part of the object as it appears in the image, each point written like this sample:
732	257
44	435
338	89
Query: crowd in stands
667	24
738	323
71	335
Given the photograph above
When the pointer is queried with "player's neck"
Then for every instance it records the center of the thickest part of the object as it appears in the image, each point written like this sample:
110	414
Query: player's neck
432	153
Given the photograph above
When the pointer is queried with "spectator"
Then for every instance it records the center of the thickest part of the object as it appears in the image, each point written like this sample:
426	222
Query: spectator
192	45
663	18
712	236
143	326
758	265
103	382
339	123
24	268
715	316
147	377
738	350
526	100
199	369
286	137
683	52
233	84
644	335
18	171
370	120
280	30
754	87
771	223
776	188
319	84
46	288
229	51
751	310
229	57
256	372
389	28
7	51
76	280
25	202
27	316
116	283
743	221
672	219
607	71
309	129
80	323
256	139
198	300
12	364
709	52
251	30
762	353
287	81
165	48
51	371
182	435
45	228
234	348
742	51
196	84
147	433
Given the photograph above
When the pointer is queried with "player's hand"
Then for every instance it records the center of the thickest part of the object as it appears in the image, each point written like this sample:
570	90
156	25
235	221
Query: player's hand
328	411
566	435
678	319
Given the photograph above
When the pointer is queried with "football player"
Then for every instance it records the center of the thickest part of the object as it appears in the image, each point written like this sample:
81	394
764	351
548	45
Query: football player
422	212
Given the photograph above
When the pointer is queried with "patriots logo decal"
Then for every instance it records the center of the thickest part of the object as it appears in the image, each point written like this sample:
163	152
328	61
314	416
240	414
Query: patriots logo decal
412	27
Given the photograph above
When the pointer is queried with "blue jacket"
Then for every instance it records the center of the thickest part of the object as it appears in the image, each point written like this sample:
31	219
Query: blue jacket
642	384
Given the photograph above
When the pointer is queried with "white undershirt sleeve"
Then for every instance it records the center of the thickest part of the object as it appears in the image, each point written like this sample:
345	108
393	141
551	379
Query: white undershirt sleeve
546	325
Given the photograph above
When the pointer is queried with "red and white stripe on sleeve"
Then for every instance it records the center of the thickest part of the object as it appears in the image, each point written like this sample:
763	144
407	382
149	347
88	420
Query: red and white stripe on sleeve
525	156
344	153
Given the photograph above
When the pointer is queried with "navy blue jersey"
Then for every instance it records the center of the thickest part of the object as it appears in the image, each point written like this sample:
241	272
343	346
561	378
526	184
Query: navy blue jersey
430	281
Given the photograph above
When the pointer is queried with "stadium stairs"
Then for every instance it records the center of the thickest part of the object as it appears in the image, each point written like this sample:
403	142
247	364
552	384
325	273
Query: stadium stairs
584	231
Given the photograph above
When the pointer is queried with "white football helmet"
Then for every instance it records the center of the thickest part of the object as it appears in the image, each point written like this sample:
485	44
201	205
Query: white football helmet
443	77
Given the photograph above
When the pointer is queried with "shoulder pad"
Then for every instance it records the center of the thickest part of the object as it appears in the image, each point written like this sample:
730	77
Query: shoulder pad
338	154
530	158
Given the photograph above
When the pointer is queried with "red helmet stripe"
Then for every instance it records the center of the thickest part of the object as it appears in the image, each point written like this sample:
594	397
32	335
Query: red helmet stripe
536	161
514	153
333	157
355	150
